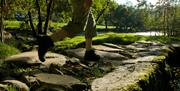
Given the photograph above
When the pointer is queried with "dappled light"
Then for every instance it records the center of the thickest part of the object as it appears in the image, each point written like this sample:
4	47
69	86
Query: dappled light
89	45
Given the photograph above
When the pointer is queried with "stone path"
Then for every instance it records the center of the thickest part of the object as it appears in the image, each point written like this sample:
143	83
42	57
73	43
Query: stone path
121	68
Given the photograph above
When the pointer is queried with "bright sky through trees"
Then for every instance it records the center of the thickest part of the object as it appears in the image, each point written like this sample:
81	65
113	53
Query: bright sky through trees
133	2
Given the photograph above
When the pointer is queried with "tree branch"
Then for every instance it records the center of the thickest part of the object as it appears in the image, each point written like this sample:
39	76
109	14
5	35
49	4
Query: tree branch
48	16
31	24
40	31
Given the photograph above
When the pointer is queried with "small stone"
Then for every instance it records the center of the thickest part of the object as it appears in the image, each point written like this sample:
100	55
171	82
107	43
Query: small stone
112	45
107	49
64	81
19	85
29	79
54	58
3	87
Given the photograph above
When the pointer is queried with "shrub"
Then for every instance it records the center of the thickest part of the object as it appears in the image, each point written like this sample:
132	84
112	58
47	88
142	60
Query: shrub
7	50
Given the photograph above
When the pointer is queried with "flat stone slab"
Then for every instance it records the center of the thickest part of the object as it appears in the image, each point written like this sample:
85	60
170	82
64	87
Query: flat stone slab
126	75
106	48
31	58
79	53
55	80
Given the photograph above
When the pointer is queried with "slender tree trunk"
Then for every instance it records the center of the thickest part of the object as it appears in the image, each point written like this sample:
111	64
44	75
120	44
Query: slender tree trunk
164	22
106	24
40	31
2	21
31	24
102	11
48	16
2	28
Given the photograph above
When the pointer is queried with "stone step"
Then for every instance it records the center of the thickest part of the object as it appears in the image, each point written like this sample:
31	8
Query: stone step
27	59
61	82
123	77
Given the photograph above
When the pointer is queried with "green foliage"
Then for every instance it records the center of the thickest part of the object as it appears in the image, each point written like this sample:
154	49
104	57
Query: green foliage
25	70
163	39
6	50
12	24
100	5
103	27
11	88
126	18
132	87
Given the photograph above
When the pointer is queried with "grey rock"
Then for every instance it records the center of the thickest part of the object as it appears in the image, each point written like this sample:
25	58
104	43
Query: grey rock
3	87
112	45
79	53
30	80
106	48
26	58
63	81
31	59
121	77
54	58
19	85
50	88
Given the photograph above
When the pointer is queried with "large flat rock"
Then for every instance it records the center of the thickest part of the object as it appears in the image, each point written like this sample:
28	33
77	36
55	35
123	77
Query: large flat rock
64	81
31	58
79	53
107	48
126	75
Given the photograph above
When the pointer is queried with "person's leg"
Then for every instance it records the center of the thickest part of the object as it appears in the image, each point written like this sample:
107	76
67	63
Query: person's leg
90	32
77	25
88	44
45	42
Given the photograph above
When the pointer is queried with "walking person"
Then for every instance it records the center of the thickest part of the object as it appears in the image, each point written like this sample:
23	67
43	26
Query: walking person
82	20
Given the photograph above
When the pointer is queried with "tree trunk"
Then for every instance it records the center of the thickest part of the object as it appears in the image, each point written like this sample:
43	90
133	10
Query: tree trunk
2	21
2	27
47	17
31	24
40	31
106	24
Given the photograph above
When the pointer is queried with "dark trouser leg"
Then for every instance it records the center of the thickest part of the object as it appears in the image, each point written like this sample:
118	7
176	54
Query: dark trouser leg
44	42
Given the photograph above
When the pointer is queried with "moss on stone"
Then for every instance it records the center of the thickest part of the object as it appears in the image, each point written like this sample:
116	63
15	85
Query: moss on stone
159	59
132	87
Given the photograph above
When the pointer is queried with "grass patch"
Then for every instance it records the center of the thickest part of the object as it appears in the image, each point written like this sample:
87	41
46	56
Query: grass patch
163	39
116	38
68	43
13	24
11	88
56	25
103	27
6	50
79	41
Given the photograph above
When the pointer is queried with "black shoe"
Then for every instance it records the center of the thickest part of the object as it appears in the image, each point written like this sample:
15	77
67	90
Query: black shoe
44	42
91	56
